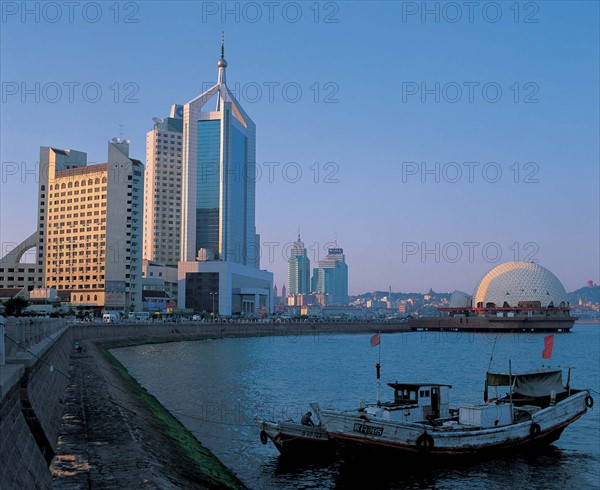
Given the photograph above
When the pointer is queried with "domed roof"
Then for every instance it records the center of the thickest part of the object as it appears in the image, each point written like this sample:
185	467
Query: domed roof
519	281
460	299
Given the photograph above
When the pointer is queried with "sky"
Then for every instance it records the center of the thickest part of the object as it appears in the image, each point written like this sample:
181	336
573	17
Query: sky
433	140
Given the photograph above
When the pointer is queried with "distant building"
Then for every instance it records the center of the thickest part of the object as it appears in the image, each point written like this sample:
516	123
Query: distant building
514	296
298	269
332	278
159	278
162	188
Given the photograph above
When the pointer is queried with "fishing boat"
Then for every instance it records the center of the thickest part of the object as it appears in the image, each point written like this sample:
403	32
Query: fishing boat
418	421
297	440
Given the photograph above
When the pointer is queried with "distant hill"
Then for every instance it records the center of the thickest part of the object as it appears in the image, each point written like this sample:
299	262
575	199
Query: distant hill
585	294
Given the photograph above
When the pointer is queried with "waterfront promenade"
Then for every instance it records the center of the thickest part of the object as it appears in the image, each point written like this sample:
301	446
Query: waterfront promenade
73	418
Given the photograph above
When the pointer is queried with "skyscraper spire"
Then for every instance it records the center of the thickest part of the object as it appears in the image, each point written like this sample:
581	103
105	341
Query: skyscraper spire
222	64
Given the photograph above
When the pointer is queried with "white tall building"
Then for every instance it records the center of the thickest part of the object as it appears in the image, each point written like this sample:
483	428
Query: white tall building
162	189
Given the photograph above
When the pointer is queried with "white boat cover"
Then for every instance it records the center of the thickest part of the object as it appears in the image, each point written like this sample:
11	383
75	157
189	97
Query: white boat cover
533	384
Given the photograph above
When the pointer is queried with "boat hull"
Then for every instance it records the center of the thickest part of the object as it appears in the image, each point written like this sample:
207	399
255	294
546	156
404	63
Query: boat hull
298	441
423	441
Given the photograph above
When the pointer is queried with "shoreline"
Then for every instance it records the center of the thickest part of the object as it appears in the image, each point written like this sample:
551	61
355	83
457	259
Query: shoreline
115	434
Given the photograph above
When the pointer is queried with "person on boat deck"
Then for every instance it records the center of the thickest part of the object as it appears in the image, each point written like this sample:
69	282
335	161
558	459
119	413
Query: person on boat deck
306	419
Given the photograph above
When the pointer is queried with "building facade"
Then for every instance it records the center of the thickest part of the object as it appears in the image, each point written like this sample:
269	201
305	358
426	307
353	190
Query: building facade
162	189
332	277
298	269
20	267
90	227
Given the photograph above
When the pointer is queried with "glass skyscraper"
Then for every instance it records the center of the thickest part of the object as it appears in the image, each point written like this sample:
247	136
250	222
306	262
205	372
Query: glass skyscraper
219	271
218	188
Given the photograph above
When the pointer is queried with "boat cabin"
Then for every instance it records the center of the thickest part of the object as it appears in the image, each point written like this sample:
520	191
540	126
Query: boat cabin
415	402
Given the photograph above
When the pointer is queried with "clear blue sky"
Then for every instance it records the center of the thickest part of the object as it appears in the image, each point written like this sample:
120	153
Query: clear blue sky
358	109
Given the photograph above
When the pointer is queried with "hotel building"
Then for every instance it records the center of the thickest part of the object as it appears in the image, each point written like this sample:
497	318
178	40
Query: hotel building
90	227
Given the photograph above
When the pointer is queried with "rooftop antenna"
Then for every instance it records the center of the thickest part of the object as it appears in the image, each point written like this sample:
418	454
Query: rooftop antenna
221	64
298	232
121	130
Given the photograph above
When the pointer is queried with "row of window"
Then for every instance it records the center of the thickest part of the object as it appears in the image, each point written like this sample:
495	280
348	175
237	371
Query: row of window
75	193
20	280
76	183
20	269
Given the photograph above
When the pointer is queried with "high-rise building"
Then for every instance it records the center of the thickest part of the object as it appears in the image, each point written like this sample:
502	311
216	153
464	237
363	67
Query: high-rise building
219	271
332	278
298	269
218	190
90	226
162	189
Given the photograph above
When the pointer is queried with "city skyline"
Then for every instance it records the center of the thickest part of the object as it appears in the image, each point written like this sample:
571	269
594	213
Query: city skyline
413	224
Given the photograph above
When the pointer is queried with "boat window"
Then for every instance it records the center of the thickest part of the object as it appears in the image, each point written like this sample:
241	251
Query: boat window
406	396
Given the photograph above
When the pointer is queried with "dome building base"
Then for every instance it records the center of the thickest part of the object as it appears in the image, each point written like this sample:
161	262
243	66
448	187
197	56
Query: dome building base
493	324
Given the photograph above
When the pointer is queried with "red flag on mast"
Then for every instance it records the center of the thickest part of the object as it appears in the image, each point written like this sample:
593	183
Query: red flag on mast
375	339
548	346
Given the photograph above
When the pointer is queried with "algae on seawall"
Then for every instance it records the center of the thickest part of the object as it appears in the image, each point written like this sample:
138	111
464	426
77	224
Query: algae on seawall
213	472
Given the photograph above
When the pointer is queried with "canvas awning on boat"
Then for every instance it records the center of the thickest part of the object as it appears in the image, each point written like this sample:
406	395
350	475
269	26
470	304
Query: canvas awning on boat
535	383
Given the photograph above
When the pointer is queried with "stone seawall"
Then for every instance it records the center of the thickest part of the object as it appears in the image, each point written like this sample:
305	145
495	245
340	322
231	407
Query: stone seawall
198	330
32	384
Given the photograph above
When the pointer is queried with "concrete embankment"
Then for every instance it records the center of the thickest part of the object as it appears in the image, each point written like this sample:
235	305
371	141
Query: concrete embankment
31	386
116	435
99	428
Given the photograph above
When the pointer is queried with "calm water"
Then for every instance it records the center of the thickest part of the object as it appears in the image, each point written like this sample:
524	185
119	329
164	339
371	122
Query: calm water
216	388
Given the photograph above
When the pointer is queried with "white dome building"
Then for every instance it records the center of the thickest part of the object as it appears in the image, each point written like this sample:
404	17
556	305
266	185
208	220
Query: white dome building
519	283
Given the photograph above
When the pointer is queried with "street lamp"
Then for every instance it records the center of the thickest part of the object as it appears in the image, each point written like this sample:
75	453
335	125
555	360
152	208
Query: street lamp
213	302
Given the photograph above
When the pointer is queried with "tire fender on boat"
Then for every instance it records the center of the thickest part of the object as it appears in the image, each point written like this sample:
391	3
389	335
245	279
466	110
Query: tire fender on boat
425	441
263	437
589	401
535	429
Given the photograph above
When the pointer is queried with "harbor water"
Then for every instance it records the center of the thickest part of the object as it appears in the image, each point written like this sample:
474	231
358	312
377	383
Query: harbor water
217	387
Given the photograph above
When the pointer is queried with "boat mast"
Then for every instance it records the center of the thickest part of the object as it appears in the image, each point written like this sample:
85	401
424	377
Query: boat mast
378	369
511	389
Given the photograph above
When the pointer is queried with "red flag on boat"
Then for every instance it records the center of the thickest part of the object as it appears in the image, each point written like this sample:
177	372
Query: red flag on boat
548	346
375	339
